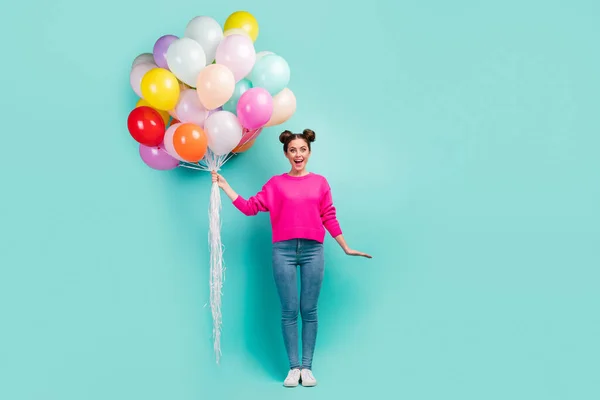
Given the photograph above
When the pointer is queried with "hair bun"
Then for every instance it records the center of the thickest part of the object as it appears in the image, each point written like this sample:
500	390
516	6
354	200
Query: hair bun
309	134
284	136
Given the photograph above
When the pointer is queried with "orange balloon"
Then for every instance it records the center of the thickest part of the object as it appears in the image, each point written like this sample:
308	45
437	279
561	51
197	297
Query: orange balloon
190	142
243	147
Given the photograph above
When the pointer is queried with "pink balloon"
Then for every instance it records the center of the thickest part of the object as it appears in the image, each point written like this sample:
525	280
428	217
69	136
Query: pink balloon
157	158
254	108
168	141
189	108
237	53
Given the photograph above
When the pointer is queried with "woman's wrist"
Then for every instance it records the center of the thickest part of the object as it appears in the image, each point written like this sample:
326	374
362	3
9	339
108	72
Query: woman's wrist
342	242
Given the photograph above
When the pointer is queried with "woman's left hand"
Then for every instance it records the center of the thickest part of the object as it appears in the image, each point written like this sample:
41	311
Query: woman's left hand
355	253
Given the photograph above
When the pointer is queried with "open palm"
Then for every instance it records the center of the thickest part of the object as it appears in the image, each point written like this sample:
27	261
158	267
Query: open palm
356	253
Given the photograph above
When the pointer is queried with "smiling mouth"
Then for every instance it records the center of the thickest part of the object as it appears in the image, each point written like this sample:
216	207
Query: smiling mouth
298	162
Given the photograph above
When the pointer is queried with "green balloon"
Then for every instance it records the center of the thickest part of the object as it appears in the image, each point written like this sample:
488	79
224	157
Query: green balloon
271	72
240	87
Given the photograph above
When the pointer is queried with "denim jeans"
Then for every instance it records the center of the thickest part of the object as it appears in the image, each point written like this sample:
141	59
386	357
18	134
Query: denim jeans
287	257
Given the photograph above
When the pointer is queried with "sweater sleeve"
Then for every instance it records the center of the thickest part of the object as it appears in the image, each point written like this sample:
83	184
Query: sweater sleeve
254	204
328	214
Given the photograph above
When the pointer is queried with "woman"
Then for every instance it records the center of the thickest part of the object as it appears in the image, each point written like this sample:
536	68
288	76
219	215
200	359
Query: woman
301	209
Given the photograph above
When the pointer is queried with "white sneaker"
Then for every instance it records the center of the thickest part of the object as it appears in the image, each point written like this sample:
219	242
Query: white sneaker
308	378
293	378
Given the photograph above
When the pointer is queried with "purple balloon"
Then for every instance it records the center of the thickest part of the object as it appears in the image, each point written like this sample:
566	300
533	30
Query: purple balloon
160	50
157	157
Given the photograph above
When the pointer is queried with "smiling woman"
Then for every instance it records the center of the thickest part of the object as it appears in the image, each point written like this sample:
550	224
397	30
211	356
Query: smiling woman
301	208
296	147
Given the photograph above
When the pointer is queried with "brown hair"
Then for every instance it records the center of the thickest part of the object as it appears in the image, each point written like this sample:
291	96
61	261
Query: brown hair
286	137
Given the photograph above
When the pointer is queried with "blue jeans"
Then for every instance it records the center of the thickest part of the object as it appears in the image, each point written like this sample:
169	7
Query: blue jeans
287	256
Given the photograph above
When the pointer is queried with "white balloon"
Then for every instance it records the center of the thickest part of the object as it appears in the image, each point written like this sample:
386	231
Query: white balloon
206	31
186	58
144	58
224	132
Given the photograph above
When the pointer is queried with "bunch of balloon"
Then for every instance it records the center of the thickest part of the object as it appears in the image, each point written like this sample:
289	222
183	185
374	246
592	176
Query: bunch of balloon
205	96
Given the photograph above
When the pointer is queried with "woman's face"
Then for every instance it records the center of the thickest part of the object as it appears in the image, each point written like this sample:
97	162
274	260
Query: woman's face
298	154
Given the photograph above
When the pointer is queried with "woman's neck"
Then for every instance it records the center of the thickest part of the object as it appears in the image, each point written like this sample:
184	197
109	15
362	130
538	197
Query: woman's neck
293	172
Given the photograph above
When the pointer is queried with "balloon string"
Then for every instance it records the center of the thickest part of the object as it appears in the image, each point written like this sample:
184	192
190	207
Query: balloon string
192	167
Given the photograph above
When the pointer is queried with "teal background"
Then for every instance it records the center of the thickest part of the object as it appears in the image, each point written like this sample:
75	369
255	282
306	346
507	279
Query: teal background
461	140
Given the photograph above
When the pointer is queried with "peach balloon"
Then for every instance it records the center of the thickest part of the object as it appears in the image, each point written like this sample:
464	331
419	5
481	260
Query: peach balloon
215	86
243	147
284	106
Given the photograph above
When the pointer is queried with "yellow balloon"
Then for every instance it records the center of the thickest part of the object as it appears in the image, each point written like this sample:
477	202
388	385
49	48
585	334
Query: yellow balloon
160	89
165	115
242	20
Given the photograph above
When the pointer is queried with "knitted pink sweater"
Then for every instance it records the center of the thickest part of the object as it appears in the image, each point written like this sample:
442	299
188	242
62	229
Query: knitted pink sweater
299	207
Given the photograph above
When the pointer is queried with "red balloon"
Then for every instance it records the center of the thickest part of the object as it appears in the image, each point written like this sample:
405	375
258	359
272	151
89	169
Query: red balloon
146	126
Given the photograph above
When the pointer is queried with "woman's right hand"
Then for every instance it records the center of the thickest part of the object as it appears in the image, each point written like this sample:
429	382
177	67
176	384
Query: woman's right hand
219	180
222	183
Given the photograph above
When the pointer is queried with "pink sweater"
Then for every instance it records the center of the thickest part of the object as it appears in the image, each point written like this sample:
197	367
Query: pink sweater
299	207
